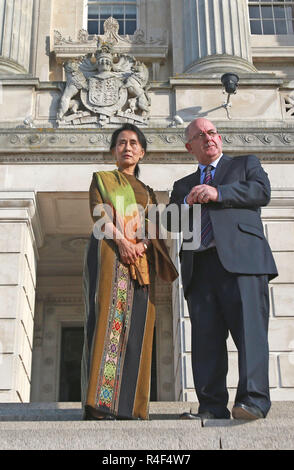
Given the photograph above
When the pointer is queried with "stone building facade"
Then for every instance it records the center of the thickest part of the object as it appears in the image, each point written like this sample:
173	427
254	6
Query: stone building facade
177	51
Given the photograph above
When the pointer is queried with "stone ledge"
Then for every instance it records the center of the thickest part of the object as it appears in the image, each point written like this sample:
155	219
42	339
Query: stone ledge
65	411
163	431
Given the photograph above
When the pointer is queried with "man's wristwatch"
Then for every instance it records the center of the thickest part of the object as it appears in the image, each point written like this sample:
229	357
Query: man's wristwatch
145	245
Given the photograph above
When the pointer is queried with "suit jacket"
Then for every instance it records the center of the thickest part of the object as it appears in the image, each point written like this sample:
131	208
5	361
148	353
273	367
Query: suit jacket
238	232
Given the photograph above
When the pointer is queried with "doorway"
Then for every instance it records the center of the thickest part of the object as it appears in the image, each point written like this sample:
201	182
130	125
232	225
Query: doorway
70	363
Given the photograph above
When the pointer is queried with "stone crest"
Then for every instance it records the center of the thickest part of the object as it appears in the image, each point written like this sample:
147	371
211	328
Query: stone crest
103	91
104	88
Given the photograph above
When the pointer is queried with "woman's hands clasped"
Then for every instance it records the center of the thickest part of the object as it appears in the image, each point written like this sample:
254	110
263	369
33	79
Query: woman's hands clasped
129	251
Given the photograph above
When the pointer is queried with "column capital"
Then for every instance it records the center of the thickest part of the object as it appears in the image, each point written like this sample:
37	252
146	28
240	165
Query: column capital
22	206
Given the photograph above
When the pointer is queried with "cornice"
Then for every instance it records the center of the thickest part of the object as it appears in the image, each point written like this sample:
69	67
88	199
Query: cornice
207	80
165	145
145	49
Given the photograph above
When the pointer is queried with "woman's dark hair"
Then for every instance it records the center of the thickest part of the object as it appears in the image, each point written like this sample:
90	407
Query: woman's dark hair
138	132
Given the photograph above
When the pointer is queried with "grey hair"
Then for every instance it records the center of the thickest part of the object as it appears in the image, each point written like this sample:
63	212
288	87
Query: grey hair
187	129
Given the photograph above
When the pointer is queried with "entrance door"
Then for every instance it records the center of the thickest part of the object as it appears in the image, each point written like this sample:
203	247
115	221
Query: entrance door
70	363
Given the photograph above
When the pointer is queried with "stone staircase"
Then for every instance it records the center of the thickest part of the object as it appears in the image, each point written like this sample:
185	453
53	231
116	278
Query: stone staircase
59	426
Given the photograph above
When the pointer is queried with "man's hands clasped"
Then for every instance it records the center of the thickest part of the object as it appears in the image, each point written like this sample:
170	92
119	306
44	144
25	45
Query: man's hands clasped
202	194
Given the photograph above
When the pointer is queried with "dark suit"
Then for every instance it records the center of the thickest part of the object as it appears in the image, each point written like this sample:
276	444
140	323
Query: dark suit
227	287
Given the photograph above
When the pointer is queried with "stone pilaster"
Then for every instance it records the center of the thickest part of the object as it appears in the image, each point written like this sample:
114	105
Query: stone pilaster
216	36
15	36
20	236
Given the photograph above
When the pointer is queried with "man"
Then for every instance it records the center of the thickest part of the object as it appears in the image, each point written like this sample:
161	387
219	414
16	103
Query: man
225	280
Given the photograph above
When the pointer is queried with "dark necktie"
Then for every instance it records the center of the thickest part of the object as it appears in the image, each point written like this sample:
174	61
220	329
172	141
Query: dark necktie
206	226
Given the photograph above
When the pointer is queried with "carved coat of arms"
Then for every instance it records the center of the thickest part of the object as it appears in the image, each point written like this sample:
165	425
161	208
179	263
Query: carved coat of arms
105	89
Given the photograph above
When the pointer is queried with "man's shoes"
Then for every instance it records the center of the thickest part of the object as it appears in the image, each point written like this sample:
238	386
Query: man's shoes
249	412
203	415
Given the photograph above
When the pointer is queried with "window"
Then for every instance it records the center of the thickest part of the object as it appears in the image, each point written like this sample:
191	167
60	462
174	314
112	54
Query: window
125	12
271	17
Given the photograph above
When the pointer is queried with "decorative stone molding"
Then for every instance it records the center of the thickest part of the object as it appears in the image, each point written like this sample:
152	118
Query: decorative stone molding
61	140
221	63
289	104
257	139
165	145
10	66
148	50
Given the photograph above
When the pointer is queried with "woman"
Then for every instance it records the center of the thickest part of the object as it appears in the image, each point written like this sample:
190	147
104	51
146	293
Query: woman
120	268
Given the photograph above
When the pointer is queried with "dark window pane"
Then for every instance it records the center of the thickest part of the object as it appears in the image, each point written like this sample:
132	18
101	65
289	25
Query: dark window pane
121	27
266	12
130	27
289	12
101	27
93	27
130	10
130	16
254	12
125	14
268	27
290	27
255	27
106	11
93	11
279	12
93	17
118	10
281	27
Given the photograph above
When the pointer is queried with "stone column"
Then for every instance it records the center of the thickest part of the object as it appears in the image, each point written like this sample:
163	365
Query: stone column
15	35
216	36
20	236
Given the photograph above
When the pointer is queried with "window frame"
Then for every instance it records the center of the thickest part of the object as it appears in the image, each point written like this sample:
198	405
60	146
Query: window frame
260	20
135	3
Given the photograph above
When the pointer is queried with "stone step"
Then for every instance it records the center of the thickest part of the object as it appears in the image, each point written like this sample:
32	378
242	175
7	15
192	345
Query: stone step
72	411
59	426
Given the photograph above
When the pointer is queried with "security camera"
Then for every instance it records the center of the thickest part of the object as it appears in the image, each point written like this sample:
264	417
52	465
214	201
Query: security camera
230	82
